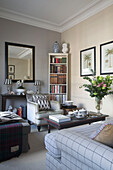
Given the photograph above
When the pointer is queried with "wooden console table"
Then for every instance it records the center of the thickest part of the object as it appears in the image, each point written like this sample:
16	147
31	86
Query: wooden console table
8	96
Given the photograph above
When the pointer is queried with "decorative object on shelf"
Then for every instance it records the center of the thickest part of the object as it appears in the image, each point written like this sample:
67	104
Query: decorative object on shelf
8	82
64	48
87	61
10	108
37	84
106	54
15	110
99	87
12	92
56	47
20	90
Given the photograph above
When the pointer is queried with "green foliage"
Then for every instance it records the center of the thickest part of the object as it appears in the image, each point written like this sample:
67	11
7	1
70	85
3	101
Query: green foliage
20	84
20	87
109	52
98	86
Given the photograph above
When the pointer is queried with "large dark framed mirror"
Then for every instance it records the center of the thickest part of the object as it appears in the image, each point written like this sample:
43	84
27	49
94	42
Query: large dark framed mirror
19	62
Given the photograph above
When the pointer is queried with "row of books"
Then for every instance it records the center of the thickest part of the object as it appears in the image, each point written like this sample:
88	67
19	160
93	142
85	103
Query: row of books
57	69
60	98
54	59
57	89
58	79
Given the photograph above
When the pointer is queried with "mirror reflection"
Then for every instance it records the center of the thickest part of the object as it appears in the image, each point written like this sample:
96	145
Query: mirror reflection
20	62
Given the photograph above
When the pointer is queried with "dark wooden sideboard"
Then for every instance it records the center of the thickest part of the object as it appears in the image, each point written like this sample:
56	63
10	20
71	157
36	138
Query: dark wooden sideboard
8	96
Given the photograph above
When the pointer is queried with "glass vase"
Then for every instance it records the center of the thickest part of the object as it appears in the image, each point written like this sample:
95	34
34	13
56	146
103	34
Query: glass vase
98	104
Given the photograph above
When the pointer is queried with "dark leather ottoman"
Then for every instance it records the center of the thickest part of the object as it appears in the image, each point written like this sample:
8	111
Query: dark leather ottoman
13	139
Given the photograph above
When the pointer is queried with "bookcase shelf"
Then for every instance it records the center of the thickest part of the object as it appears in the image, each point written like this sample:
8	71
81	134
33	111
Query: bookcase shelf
58	77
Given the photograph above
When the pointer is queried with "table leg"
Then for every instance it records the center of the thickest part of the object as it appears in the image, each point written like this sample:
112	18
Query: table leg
48	128
3	103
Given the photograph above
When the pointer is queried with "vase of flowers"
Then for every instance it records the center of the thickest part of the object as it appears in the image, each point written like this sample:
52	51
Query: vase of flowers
98	87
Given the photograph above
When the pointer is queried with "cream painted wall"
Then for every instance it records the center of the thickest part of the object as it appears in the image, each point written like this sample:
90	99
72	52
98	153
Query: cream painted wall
91	32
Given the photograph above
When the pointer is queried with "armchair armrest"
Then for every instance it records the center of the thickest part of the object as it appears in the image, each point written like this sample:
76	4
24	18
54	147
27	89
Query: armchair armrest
30	102
94	154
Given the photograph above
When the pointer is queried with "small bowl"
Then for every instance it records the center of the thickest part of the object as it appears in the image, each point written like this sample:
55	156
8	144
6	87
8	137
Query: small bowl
68	103
20	90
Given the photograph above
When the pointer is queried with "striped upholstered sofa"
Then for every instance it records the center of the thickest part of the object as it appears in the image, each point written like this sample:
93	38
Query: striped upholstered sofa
73	149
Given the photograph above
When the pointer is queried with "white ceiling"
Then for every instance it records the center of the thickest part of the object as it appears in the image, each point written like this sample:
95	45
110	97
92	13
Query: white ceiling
57	15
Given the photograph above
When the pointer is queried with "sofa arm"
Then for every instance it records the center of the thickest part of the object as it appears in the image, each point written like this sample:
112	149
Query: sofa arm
90	152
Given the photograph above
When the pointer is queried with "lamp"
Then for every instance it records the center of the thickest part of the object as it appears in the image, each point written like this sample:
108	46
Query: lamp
8	82
37	84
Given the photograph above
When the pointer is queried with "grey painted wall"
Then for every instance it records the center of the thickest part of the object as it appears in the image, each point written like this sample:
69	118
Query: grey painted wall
42	39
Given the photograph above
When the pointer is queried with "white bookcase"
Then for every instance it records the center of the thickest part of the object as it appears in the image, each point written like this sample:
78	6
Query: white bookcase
58	77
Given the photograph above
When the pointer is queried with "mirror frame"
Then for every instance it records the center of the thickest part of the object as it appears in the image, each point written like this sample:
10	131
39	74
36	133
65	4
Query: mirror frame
6	60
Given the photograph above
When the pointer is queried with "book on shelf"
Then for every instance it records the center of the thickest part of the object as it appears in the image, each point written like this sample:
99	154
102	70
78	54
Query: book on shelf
57	60
57	89
54	59
63	60
53	79
62	79
57	69
61	98
64	99
57	79
60	118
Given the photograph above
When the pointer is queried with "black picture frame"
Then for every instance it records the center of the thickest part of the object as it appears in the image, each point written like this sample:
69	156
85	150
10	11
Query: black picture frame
88	61
106	58
11	69
11	76
7	52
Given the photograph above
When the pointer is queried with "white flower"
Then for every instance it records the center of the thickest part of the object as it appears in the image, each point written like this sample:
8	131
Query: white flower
18	82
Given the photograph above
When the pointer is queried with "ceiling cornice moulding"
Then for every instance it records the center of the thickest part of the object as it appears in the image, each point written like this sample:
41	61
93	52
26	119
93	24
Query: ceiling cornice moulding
98	7
18	17
85	13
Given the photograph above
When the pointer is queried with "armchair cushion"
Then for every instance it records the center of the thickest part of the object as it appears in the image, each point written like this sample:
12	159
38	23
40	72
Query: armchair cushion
43	114
42	101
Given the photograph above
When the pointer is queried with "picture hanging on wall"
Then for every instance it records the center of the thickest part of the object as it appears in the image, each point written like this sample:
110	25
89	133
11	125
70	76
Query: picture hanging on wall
11	76
11	69
106	58
87	61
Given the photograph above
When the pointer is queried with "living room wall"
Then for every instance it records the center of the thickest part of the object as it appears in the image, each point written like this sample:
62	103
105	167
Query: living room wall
94	31
42	39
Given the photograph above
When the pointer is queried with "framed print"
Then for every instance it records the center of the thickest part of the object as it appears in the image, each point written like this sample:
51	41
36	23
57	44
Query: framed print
106	58
11	76
11	69
87	61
